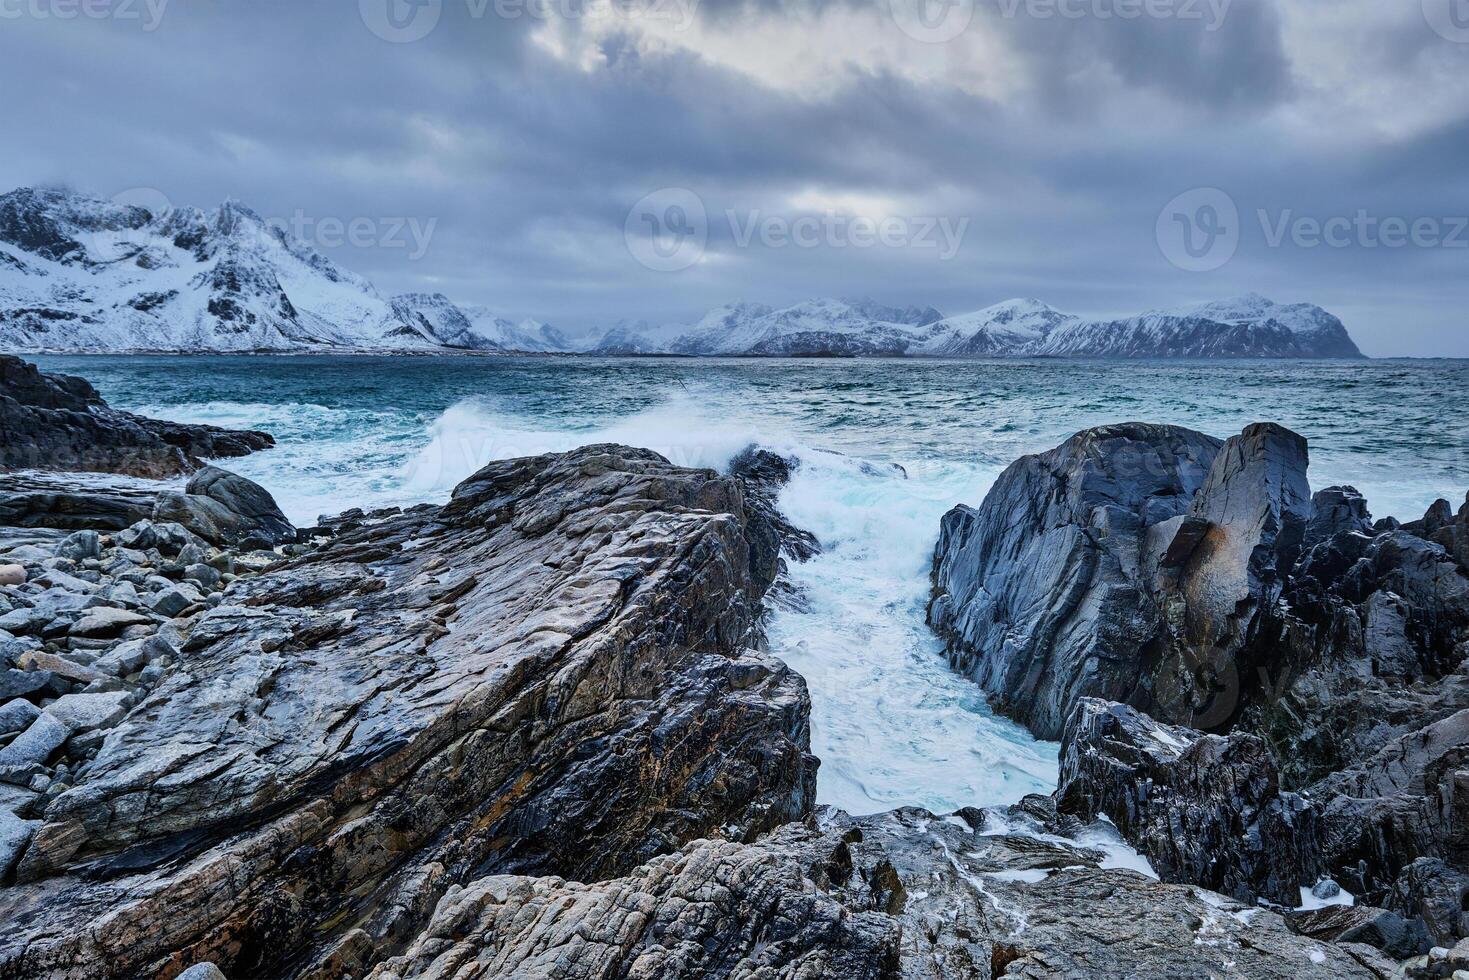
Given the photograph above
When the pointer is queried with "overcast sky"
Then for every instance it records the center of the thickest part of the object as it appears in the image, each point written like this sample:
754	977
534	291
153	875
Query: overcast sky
951	153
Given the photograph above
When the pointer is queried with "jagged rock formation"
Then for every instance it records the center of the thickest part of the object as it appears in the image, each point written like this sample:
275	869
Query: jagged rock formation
902	895
549	675
58	422
1206	809
1329	650
1042	591
522	735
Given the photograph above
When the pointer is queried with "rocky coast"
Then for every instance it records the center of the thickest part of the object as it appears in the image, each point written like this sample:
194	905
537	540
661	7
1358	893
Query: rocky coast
533	732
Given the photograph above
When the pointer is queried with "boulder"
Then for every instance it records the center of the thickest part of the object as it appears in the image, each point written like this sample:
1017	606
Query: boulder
58	422
1381	929
81	712
106	622
225	509
12	575
36	744
1044	593
16	714
80	546
15	834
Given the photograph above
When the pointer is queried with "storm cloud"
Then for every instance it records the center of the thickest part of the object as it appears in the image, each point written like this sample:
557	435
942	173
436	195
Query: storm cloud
528	131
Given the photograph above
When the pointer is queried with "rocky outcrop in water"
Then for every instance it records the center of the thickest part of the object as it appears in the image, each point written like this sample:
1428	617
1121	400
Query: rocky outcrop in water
1327	653
1043	592
59	422
522	735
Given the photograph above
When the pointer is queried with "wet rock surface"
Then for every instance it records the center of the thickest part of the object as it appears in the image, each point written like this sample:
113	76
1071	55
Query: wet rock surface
531	734
1324	652
59	422
548	675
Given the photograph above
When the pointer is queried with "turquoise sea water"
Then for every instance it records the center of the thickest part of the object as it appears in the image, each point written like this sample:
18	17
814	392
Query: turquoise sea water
891	724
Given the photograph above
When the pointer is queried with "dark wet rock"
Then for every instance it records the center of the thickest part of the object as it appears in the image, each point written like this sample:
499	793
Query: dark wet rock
1256	504
224	508
58	422
901	895
1436	892
41	500
1328	653
1337	510
1446	529
1381	929
1043	593
1204	809
549	675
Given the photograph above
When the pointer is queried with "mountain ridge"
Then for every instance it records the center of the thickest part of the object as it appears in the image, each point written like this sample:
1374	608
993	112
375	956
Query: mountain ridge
80	274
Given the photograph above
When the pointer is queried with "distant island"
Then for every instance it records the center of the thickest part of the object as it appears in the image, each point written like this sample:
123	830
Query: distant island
81	274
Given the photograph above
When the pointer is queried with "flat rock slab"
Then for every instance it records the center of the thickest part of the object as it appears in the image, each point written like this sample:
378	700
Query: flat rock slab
80	712
34	746
105	622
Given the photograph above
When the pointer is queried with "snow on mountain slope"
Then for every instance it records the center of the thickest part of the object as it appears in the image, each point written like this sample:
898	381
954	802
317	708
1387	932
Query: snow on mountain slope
633	337
1006	328
79	273
1248	326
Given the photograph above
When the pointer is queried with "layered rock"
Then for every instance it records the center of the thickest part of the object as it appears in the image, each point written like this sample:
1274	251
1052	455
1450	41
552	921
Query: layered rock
1206	809
549	675
59	422
901	895
1043	593
1326	651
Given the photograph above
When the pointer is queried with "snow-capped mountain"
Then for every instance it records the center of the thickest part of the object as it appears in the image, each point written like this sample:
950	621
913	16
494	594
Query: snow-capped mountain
78	273
1248	326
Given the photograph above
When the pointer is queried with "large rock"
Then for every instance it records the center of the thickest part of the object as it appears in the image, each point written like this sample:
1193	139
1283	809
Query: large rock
225	509
75	501
549	675
899	895
58	422
1204	809
1043	593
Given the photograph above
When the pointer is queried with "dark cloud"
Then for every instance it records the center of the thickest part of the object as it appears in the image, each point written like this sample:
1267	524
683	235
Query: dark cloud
1060	160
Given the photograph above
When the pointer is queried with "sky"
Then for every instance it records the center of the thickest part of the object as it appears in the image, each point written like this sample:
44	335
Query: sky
584	161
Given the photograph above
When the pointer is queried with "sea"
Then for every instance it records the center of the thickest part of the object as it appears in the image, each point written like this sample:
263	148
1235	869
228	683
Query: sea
891	723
